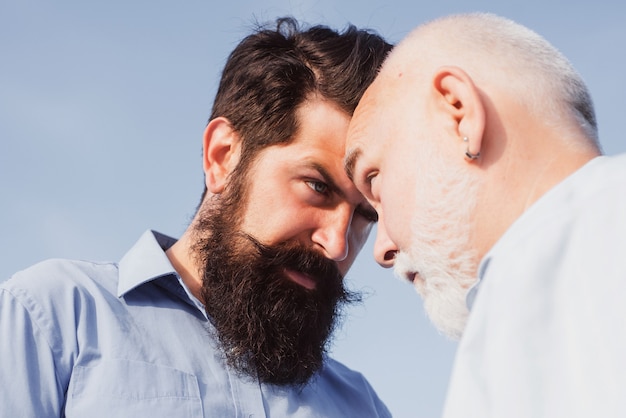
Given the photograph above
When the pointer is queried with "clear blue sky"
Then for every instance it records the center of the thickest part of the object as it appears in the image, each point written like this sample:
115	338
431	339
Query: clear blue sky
102	108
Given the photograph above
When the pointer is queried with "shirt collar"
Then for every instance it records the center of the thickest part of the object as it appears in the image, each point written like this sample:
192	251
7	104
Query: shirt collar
145	261
472	292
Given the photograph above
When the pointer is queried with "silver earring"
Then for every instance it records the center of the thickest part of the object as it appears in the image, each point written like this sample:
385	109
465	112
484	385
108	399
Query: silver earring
468	154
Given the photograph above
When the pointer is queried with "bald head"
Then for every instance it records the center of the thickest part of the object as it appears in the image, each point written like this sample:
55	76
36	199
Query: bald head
501	55
471	119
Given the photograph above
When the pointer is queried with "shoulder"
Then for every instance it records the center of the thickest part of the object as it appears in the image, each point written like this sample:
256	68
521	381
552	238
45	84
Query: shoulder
52	272
557	276
58	282
584	212
602	180
342	374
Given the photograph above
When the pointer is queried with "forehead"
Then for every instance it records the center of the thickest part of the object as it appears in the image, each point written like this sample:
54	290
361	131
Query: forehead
369	126
318	145
320	137
321	131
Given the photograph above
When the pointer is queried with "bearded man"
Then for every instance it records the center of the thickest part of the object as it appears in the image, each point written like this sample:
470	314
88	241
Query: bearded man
478	146
234	318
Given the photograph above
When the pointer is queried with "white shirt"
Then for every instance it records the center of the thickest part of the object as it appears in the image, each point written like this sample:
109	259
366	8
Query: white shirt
547	332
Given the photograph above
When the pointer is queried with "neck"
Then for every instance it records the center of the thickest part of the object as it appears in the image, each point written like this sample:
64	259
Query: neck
554	170
180	255
517	179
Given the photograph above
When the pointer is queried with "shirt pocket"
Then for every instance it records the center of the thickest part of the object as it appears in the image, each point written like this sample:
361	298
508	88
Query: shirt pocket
125	388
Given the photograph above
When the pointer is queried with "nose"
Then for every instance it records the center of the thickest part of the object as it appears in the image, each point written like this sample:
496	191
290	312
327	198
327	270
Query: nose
332	234
384	248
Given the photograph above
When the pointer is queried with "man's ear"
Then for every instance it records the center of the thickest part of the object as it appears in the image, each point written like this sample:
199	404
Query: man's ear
461	99
220	154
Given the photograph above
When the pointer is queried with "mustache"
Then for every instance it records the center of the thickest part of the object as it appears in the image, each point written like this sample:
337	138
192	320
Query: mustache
294	256
268	326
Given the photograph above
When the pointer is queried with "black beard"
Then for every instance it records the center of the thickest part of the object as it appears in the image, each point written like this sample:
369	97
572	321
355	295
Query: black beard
267	325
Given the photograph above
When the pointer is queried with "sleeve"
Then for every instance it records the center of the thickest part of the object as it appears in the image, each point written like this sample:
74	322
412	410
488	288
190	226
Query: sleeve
29	385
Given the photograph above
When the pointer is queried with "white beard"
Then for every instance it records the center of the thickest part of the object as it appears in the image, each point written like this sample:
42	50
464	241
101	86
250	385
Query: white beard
439	252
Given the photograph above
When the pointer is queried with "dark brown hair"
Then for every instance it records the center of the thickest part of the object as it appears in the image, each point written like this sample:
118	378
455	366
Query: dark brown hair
273	71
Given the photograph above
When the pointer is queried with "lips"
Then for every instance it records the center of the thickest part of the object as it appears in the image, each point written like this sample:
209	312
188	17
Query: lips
302	279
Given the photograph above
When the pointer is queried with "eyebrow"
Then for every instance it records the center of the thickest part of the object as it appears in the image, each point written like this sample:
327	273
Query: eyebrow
350	161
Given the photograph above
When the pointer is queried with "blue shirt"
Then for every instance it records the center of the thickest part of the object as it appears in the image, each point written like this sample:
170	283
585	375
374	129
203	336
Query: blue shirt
89	339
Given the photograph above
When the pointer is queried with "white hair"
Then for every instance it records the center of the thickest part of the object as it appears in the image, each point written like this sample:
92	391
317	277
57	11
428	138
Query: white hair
440	249
497	51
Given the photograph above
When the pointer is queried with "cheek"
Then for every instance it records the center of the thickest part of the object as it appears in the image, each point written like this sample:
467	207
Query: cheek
397	208
272	219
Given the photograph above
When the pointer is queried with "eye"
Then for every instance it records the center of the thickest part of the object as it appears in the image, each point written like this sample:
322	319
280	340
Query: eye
318	186
366	184
370	177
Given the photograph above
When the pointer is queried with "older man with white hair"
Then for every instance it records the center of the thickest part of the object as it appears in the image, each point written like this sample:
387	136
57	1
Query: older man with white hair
477	145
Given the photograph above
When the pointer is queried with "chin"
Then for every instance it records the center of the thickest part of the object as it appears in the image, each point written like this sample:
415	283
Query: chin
449	319
443	292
